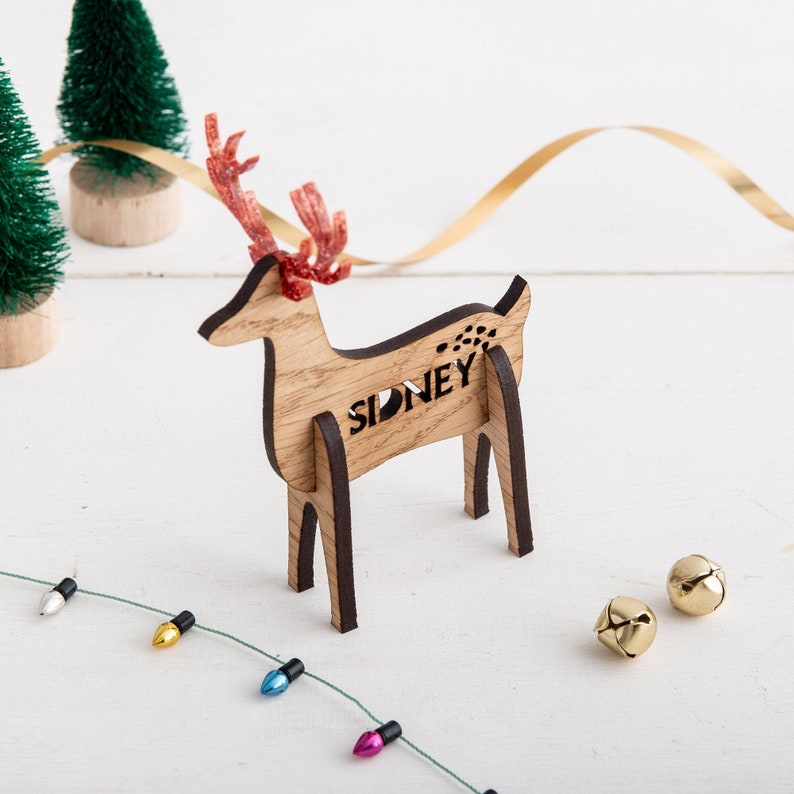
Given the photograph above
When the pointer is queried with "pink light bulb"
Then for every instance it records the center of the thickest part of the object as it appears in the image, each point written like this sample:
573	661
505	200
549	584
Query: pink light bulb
372	742
369	743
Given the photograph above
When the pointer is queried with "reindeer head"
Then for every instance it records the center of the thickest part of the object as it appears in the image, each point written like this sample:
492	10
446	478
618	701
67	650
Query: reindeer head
259	309
328	235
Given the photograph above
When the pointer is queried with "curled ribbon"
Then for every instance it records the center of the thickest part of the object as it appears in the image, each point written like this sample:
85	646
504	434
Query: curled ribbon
489	203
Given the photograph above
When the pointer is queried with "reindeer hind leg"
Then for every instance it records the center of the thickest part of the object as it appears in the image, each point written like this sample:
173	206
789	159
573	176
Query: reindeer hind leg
506	433
476	459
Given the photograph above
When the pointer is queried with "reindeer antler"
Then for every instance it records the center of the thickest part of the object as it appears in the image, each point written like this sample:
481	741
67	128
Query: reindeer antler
224	171
328	236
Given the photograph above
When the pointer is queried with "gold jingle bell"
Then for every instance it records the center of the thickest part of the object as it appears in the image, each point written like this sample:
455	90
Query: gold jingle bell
696	585
626	626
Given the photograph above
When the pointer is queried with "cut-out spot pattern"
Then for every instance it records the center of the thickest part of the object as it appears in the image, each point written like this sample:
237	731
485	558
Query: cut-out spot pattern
463	339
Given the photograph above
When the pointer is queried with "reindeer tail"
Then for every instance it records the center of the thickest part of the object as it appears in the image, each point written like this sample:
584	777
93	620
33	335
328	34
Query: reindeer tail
516	300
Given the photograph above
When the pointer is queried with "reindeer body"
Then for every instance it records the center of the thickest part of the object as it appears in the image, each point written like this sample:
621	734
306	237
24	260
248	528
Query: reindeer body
422	386
331	415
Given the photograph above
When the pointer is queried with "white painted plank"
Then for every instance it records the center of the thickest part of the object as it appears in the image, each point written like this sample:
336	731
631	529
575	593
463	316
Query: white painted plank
658	423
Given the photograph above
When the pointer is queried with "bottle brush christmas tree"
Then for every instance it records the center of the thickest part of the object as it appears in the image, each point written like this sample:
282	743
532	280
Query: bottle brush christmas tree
32	237
116	85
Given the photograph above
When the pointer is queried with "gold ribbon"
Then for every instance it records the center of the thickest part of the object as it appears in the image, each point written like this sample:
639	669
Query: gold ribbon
489	203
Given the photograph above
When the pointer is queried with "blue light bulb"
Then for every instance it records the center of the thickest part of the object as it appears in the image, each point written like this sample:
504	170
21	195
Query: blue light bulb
276	681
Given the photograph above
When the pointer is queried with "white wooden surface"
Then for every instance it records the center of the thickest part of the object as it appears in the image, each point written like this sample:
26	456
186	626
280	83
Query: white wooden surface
657	410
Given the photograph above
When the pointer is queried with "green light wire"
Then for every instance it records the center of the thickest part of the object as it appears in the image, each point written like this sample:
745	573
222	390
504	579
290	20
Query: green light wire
270	656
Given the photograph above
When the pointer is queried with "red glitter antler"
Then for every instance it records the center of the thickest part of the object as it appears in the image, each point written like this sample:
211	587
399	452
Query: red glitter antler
328	236
224	171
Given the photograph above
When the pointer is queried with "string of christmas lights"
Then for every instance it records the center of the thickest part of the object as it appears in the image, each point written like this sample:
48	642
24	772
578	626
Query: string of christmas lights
276	681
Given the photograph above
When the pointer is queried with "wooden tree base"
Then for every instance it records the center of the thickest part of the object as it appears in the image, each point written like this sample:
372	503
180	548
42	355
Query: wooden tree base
122	212
29	335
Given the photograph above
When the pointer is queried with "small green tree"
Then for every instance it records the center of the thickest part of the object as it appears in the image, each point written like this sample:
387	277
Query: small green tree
116	86
32	235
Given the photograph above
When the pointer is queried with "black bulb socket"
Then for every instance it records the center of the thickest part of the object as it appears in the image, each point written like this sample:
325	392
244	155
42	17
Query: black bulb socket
66	587
184	620
390	731
292	669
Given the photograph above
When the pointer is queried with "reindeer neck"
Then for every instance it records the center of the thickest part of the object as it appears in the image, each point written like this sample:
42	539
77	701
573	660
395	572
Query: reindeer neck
301	335
298	363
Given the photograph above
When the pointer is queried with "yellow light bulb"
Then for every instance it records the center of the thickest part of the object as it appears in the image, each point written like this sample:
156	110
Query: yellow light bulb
166	634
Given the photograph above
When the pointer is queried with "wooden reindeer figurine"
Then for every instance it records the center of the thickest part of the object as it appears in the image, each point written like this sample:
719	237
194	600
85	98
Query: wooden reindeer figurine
331	415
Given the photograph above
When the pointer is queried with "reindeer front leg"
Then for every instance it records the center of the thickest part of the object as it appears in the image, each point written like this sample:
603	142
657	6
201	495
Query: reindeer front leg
329	504
302	530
